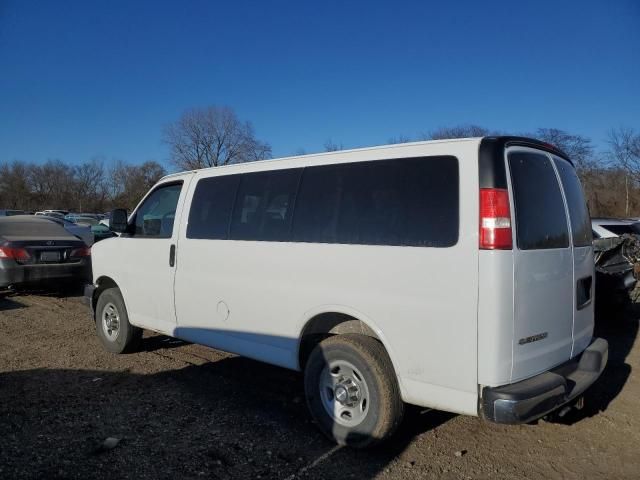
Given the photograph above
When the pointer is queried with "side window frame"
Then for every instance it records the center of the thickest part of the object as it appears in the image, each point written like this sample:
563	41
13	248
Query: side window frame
132	219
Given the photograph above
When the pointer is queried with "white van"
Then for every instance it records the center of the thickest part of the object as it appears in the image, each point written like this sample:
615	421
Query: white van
455	274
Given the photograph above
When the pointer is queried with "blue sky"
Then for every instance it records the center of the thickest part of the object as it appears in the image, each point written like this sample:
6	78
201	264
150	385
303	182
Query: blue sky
102	78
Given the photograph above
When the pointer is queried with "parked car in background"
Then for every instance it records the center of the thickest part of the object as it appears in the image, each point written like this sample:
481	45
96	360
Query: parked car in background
49	214
106	219
616	244
11	213
100	231
73	216
614	227
34	250
83	232
61	212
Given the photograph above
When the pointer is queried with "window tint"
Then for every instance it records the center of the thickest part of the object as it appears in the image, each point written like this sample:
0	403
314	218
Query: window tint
390	202
578	212
541	221
211	206
156	215
264	205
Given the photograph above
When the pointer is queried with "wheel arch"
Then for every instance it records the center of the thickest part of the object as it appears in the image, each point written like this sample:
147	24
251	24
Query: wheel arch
336	320
102	283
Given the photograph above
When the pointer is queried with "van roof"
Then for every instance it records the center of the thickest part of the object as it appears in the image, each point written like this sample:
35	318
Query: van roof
505	140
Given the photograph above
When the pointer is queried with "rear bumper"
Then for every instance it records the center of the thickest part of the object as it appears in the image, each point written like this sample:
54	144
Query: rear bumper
530	399
12	273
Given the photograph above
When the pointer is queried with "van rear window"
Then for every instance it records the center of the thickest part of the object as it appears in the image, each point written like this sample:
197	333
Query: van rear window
578	211
541	221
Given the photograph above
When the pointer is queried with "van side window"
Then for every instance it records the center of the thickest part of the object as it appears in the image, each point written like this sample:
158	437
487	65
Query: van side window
155	217
409	201
578	211
541	221
264	205
211	207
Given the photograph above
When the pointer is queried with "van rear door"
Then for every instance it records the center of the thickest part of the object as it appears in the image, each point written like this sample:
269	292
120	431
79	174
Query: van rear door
543	265
583	264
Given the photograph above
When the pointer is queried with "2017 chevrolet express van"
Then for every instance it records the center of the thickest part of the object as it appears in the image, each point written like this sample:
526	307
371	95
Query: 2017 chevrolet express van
456	275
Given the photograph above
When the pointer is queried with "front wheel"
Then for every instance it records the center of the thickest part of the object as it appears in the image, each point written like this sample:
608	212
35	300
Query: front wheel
352	391
115	332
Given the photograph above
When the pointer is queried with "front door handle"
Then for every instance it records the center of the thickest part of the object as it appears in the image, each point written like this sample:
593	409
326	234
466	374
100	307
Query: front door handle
172	255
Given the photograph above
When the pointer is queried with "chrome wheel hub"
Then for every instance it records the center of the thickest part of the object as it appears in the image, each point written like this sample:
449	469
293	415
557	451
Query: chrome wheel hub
110	321
344	393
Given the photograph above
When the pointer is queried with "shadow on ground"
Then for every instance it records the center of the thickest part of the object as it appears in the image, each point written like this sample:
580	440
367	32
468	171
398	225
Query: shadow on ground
233	418
160	342
8	303
618	324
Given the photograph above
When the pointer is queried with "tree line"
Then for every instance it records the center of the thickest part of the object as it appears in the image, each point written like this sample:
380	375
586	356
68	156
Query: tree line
88	187
215	136
610	178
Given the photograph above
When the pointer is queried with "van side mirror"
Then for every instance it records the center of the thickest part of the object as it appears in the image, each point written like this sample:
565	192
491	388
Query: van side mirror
118	222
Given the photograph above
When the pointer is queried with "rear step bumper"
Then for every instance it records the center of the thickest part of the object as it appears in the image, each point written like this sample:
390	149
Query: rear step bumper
530	399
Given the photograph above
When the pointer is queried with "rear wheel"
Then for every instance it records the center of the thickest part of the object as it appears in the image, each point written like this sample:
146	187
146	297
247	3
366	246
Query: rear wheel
115	332
352	391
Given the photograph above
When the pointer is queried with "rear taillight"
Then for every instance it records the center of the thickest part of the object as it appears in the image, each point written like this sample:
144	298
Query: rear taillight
495	219
81	252
19	254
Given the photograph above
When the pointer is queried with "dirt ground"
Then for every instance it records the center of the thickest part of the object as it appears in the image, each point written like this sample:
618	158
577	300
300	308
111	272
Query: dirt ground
185	411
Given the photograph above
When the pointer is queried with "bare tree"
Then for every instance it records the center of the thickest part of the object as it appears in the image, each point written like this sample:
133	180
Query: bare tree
399	139
129	183
15	190
89	190
625	150
578	148
457	131
211	137
331	146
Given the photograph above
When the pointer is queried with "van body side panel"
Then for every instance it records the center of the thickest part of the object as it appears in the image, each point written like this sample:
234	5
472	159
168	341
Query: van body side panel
495	317
255	297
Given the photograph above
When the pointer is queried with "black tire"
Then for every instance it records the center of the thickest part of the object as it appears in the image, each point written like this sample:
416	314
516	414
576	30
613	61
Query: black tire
125	337
384	408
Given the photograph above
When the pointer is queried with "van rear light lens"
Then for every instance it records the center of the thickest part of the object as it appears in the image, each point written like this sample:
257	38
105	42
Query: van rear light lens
19	254
495	219
81	252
